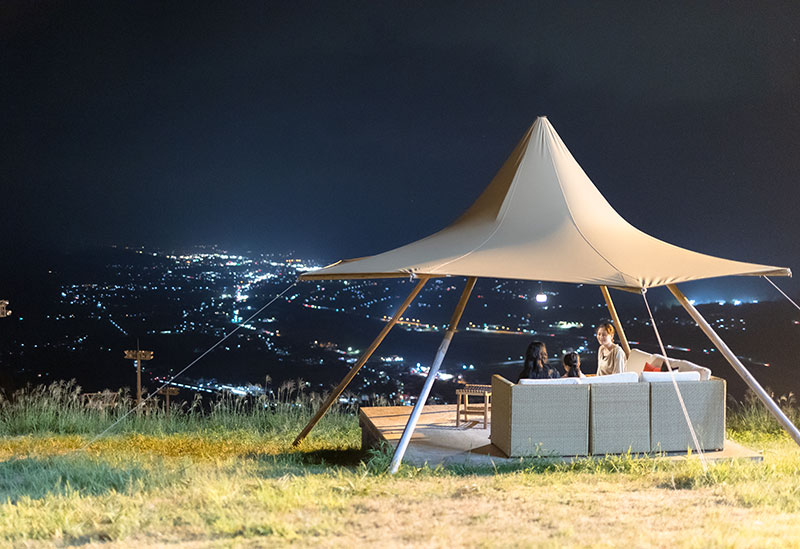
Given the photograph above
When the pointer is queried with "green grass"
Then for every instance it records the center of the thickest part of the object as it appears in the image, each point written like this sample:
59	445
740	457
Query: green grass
229	477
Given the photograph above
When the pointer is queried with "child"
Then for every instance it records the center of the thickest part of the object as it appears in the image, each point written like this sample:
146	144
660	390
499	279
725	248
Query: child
572	365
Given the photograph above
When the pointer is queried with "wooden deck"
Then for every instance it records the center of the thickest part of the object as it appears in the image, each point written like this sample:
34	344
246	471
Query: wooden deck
437	440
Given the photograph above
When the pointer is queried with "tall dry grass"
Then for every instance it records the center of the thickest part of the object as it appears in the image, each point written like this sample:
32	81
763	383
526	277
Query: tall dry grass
62	409
749	420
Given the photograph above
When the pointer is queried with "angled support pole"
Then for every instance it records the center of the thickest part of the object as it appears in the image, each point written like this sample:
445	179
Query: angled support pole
737	365
617	323
361	361
426	389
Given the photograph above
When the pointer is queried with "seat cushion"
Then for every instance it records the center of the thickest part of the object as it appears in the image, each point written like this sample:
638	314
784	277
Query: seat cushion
555	381
625	377
659	377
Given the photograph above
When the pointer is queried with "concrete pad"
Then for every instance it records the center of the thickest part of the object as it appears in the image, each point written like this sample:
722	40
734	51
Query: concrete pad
437	440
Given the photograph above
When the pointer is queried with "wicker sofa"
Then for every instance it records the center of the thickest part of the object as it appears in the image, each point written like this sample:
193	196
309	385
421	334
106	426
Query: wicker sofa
606	415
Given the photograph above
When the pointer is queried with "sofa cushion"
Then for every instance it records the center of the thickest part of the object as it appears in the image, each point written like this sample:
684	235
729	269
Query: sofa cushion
636	360
555	381
625	377
659	377
650	368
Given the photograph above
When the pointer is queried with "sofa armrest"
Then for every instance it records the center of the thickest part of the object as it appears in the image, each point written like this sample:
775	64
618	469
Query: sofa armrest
500	433
686	366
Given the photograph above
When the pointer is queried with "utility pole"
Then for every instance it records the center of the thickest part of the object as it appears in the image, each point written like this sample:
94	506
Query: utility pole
138	356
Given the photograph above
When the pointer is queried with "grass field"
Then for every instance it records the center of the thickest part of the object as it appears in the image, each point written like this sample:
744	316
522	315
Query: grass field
229	478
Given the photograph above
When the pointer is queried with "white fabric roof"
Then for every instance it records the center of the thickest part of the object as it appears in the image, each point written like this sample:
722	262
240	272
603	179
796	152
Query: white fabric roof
541	218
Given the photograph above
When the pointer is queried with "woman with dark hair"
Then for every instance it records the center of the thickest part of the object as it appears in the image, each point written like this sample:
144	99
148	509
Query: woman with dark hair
572	365
536	363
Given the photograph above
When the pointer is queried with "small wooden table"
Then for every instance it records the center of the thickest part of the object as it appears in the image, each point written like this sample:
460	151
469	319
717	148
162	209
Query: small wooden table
463	406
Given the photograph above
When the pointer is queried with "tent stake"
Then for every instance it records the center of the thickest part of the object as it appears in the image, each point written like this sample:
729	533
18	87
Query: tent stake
737	365
361	361
426	389
615	317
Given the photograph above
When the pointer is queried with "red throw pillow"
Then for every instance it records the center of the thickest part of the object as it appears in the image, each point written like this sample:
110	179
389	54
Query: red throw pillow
650	368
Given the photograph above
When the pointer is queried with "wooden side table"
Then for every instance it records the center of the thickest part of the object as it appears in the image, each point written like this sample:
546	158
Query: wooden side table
463	405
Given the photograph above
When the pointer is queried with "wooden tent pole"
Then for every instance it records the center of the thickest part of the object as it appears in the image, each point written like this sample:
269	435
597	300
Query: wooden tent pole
426	389
737	365
361	361
615	317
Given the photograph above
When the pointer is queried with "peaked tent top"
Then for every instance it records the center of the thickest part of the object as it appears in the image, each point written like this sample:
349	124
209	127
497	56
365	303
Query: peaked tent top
541	218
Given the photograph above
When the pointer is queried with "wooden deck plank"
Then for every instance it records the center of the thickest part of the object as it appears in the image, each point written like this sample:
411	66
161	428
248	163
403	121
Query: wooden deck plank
437	440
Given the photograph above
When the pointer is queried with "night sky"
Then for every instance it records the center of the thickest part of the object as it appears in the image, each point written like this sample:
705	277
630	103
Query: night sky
341	129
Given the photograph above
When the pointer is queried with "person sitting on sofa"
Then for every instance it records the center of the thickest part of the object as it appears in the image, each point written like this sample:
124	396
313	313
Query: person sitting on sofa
536	363
610	356
572	365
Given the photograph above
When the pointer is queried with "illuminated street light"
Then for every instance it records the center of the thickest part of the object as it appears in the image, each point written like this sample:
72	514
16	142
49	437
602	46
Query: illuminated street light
541	297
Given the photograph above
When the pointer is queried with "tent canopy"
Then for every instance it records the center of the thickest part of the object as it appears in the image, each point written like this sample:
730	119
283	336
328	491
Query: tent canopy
541	218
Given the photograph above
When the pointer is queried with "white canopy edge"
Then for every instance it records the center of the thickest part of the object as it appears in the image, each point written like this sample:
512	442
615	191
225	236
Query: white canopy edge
541	218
